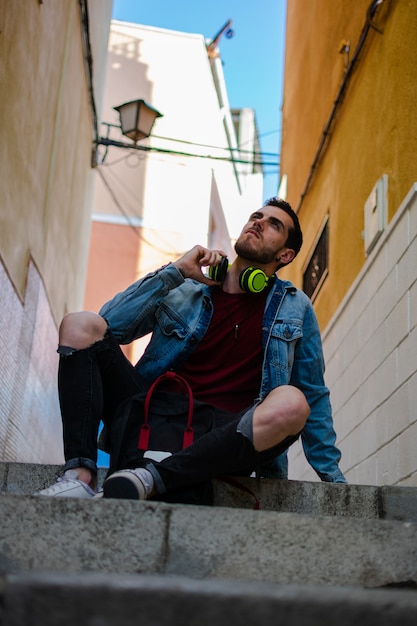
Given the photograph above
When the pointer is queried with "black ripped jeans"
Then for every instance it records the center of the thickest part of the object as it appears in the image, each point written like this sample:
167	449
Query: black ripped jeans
94	381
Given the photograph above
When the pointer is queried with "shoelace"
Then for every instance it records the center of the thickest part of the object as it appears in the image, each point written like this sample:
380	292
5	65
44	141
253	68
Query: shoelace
61	479
65	479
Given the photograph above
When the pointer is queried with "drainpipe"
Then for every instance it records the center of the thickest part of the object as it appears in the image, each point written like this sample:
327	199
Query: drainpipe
88	61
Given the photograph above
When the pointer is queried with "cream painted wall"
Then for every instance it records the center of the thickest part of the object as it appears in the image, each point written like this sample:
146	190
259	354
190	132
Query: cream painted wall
42	169
171	71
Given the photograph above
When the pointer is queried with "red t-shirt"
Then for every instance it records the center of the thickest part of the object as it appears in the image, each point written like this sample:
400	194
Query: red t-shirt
225	368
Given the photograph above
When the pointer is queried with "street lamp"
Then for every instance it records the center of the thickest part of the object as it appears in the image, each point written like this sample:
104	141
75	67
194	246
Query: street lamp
137	118
136	122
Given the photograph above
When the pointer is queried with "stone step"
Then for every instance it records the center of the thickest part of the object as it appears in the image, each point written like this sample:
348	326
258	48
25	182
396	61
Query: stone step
122	536
48	599
313	498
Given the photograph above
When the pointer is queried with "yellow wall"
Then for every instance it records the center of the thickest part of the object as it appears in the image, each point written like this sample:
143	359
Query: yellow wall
374	133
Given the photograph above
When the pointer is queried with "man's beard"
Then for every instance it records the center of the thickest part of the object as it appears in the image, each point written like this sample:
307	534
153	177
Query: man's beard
245	251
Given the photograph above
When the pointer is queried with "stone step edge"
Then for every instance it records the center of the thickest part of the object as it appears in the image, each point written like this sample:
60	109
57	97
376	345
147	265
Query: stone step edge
315	498
46	598
203	542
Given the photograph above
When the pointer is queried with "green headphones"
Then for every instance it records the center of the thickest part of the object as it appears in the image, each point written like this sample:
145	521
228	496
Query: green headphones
251	279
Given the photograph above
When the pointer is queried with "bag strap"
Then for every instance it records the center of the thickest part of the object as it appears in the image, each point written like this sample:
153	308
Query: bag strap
145	429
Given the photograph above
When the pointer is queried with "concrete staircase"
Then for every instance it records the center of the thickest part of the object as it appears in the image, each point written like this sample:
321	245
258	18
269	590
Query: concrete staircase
314	554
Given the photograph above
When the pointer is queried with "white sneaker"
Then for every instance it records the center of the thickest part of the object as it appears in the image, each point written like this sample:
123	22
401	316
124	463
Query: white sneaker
129	484
69	486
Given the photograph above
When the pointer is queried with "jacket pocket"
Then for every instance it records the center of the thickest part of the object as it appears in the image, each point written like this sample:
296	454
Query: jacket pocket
284	337
170	324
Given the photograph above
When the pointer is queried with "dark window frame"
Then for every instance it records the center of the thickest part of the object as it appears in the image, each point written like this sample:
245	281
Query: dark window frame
316	268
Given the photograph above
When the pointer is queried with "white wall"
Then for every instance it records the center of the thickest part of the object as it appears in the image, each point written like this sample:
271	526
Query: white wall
171	193
370	348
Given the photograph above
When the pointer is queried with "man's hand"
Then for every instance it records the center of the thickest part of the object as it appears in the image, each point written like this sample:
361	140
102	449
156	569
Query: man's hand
191	263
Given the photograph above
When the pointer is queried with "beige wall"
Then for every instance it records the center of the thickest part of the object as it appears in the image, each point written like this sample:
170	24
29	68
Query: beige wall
46	135
45	146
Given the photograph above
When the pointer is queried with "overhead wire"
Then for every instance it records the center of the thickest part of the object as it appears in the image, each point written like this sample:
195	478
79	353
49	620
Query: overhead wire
204	145
105	141
231	149
120	144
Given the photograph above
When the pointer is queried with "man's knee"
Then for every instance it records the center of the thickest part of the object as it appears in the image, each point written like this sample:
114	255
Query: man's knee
286	408
80	330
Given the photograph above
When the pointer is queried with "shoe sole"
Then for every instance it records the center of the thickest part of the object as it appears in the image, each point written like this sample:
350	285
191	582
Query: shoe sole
65	491
121	488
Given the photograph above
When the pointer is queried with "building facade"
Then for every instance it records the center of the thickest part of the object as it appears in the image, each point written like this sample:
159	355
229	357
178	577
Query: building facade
195	180
196	185
48	110
348	167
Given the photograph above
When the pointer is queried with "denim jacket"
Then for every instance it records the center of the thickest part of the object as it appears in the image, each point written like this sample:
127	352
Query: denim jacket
177	312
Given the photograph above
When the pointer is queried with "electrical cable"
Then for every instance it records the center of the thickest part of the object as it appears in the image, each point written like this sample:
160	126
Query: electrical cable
203	145
120	144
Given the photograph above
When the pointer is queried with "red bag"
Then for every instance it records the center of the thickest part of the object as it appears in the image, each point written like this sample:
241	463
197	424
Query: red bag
145	429
155	424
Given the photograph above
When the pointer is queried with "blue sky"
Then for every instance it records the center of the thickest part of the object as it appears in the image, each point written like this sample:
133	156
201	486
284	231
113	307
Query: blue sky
252	58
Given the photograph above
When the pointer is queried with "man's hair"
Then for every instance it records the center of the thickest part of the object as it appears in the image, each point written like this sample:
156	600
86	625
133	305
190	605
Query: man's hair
295	236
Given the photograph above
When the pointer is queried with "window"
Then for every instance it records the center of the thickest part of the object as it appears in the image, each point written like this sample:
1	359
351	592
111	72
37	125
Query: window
317	267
